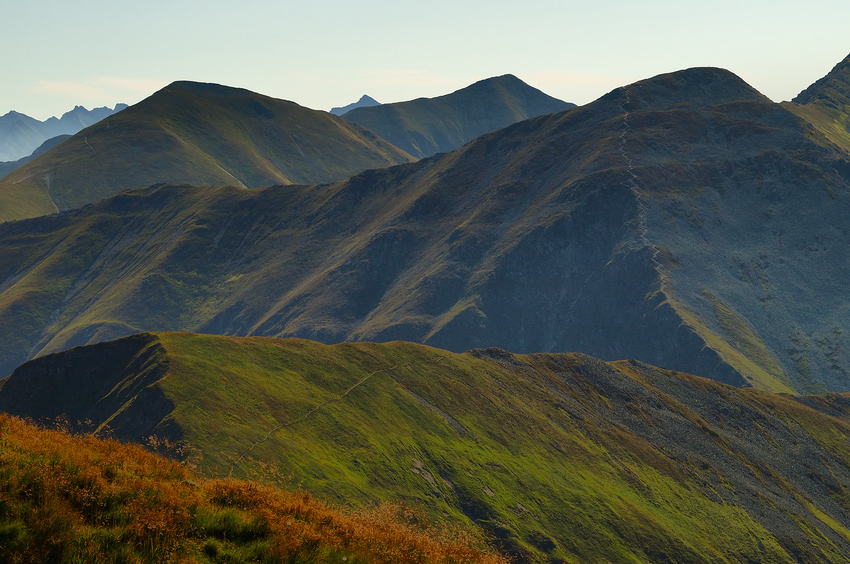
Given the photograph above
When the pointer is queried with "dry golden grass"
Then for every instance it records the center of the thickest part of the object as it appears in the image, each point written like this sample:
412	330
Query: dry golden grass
67	498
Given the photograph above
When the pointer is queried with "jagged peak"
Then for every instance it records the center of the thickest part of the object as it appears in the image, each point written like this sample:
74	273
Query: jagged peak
833	89
367	98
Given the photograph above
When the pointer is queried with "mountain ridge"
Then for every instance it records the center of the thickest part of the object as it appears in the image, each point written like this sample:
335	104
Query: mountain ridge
621	229
559	456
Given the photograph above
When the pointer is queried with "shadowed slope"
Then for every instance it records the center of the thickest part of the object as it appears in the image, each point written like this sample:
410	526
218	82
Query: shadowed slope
684	220
826	104
561	456
203	134
426	126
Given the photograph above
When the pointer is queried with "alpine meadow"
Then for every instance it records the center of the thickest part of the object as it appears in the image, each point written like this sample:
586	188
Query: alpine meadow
489	326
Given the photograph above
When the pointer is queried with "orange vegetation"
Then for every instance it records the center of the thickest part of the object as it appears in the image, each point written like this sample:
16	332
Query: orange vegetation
70	498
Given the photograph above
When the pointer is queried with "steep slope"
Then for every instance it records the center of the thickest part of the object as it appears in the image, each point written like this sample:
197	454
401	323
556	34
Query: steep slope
79	499
685	220
426	126
561	456
20	134
826	104
744	207
364	102
203	134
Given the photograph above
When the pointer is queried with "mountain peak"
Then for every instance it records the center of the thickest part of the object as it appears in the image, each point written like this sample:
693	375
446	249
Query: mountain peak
365	101
506	81
693	87
206	88
832	90
426	126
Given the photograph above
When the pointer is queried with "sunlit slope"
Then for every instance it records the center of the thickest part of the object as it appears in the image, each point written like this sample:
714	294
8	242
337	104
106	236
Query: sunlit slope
426	126
80	499
561	457
202	134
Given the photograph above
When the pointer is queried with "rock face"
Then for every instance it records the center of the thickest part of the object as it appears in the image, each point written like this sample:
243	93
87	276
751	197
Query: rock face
426	126
108	384
685	220
561	457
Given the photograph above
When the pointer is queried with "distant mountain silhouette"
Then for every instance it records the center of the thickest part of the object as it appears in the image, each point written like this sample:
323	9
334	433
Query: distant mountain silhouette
20	134
363	102
7	167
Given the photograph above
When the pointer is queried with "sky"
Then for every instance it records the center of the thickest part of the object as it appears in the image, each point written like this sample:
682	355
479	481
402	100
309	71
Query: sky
323	53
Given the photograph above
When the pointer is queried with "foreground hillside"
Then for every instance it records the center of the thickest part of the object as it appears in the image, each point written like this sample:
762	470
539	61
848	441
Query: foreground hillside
80	499
198	133
559	456
426	126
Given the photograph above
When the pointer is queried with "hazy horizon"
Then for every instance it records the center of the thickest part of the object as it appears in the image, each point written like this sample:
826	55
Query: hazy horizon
330	53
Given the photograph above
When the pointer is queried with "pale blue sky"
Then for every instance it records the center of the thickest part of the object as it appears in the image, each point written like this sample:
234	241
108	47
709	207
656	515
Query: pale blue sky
325	53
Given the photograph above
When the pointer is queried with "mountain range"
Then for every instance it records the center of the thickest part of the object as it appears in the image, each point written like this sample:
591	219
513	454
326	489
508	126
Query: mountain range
666	266
685	220
206	134
559	457
20	134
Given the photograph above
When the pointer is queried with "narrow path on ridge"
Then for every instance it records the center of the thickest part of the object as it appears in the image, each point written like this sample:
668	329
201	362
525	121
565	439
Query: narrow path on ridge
305	416
631	184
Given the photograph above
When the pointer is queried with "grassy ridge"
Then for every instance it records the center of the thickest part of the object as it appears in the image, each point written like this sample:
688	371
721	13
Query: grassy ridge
557	456
79	499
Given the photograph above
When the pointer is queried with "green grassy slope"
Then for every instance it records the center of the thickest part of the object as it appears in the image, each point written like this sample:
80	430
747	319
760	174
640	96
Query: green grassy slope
560	456
203	134
426	126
